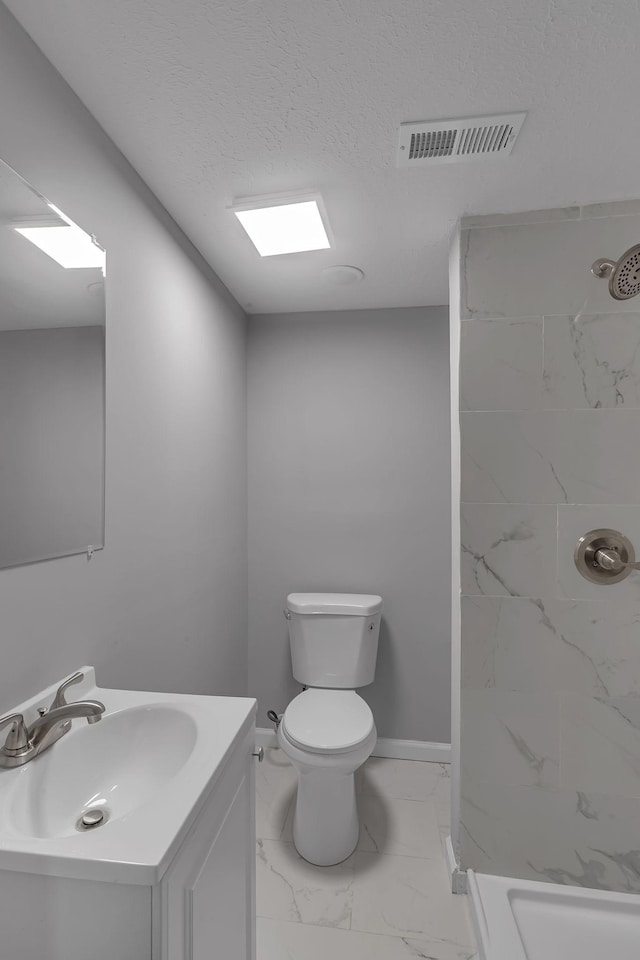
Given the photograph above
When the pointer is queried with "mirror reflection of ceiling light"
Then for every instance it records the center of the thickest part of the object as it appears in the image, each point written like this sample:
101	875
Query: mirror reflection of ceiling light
65	243
286	226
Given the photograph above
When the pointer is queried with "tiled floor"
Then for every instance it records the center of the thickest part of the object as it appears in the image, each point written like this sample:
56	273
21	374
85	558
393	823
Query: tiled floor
390	900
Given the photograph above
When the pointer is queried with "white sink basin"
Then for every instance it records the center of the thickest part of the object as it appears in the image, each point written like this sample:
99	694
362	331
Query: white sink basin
148	766
116	766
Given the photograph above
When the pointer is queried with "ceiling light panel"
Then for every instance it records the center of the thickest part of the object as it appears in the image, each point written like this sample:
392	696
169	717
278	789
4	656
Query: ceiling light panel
284	228
71	248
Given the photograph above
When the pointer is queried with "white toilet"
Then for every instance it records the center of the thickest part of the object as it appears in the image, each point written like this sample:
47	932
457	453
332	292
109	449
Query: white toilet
327	731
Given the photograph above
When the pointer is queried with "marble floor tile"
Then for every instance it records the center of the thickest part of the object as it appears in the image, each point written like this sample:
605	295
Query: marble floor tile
410	780
393	904
275	791
407	897
289	888
404	779
406	828
443	814
278	940
287	831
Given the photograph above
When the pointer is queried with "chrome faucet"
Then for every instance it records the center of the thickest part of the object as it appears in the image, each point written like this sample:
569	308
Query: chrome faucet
24	743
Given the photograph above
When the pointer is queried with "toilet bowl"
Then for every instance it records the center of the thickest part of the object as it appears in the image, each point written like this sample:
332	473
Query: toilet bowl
327	731
327	734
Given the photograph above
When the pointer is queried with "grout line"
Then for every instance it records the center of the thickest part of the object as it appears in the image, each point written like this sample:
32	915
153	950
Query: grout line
625	408
557	504
438	858
371	933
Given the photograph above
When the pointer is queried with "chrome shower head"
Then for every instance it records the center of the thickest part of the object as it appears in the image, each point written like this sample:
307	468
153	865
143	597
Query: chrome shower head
623	275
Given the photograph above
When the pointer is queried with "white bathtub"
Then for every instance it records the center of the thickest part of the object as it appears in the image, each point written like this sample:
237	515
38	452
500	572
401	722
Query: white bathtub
525	920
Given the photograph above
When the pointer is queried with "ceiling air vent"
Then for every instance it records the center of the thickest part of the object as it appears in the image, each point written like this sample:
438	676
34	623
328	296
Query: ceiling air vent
454	141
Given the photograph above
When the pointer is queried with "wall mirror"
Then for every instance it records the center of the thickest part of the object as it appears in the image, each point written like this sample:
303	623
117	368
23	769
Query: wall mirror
52	323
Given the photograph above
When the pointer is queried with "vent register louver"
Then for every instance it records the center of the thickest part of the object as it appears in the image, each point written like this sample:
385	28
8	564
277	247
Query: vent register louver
456	141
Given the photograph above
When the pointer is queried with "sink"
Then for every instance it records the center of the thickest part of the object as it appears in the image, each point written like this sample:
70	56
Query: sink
143	772
116	766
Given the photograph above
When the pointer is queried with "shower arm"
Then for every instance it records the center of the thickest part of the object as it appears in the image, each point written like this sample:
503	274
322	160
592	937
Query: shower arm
603	268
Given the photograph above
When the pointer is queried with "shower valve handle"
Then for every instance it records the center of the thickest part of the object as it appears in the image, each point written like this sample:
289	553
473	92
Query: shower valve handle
609	559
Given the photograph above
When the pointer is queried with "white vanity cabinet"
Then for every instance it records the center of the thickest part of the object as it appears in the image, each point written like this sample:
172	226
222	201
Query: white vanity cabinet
203	908
172	878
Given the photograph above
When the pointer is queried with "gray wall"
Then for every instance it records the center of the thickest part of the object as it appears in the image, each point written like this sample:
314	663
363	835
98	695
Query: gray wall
550	428
349	491
163	606
51	442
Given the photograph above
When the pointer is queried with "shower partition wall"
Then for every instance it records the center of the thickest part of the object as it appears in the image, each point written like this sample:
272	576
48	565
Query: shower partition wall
549	663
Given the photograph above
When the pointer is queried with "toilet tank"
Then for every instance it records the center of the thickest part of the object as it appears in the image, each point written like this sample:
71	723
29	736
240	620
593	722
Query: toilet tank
334	638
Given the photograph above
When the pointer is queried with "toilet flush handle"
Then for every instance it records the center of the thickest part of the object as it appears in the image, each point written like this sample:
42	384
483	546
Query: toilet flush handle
287	614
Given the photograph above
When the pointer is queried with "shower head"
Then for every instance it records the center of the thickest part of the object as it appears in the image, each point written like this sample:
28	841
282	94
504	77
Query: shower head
623	275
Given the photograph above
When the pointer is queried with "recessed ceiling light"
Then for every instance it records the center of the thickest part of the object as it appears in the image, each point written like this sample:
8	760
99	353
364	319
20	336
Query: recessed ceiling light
343	275
65	243
286	227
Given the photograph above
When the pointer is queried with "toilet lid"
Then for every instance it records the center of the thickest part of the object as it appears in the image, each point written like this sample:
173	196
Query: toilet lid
327	721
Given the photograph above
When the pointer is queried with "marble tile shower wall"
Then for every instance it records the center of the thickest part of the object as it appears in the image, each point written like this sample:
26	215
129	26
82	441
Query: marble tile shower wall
550	428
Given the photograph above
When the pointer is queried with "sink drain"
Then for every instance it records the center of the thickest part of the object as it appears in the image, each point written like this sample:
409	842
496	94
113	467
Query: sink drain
95	817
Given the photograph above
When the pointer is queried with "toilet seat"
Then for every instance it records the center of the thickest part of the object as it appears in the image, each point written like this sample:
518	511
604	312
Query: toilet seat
327	721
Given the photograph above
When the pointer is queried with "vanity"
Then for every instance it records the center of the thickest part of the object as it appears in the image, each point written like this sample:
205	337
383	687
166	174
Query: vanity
126	817
132	838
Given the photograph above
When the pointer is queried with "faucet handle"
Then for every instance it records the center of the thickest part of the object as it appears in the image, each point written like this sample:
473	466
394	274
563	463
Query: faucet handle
59	699
17	738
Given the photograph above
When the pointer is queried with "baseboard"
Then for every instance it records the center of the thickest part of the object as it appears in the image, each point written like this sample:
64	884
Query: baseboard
458	876
395	749
266	737
413	750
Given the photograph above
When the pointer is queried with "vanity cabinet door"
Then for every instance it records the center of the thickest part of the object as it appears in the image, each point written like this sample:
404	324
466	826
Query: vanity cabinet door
218	903
207	897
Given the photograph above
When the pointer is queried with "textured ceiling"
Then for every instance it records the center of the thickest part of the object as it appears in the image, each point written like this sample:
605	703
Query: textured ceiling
216	99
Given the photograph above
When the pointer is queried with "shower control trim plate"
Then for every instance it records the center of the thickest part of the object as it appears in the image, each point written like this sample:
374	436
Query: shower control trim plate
604	556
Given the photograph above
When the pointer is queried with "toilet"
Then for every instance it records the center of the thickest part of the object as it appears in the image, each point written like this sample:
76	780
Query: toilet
328	731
